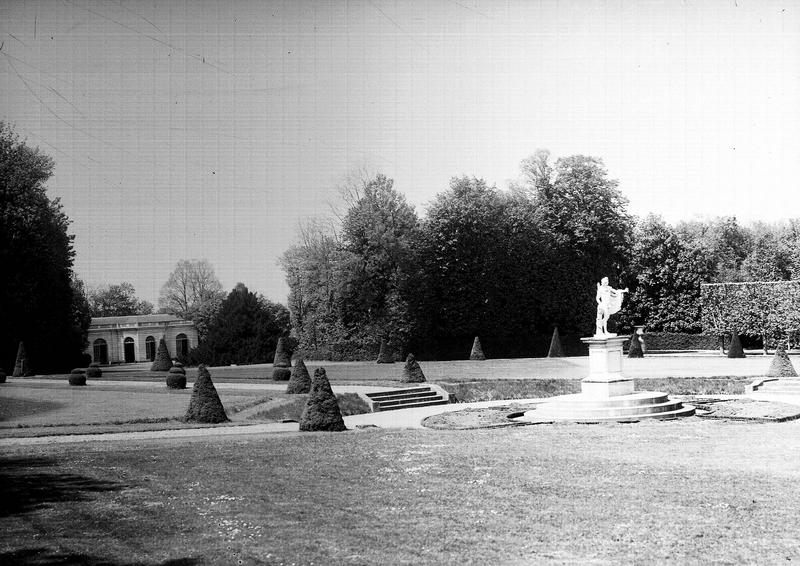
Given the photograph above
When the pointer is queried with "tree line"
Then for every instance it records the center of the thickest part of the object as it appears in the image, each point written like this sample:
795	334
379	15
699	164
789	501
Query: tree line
510	265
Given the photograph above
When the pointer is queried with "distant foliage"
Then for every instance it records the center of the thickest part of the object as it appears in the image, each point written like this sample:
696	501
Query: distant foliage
768	309
245	330
193	292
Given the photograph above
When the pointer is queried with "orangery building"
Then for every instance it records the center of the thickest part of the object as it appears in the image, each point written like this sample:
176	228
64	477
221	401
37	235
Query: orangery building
129	339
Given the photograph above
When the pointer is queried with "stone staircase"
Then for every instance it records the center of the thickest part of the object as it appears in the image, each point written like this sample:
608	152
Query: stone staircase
623	408
392	399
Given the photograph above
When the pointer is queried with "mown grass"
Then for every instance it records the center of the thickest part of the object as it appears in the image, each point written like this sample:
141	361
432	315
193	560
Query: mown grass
688	491
290	407
494	389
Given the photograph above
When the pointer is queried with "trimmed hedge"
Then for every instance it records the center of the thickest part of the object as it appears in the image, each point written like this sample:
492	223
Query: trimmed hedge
299	381
2	376
205	405
162	362
412	373
735	350
385	355
176	378
94	370
556	349
321	412
477	351
21	367
781	365
635	349
679	341
281	374
77	377
283	358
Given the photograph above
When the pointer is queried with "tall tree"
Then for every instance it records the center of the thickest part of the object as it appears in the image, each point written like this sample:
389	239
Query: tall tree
117	300
192	292
36	294
245	330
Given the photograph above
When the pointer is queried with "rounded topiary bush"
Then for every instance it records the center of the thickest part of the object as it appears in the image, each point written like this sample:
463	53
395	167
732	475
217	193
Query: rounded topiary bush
477	350
300	381
412	373
2	376
635	348
781	365
735	350
77	377
283	358
556	350
205	405
162	362
176	378
321	412
385	354
281	374
94	370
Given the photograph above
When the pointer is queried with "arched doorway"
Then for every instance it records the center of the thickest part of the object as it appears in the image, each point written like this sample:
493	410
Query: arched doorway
181	346
130	350
150	348
100	351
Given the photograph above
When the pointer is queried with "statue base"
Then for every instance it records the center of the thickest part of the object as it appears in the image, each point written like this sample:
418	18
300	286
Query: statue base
605	367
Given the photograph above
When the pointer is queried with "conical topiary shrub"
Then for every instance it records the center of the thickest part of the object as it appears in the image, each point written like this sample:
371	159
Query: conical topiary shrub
385	355
205	406
781	365
477	351
322	409
412	373
94	370
77	377
635	348
21	366
556	351
176	378
283	358
162	362
2	376
299	381
735	349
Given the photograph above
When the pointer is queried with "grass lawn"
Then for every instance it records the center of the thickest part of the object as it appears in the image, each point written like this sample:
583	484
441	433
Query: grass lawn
689	491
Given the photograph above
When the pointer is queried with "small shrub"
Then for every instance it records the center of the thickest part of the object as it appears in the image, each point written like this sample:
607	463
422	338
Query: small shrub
176	378
283	358
2	376
299	381
385	355
77	377
735	349
321	412
781	365
94	370
205	405
477	350
635	348
162	362
412	373
281	374
21	366
556	350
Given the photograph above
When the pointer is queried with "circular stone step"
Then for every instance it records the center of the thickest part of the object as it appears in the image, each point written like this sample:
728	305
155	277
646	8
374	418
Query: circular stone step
623	408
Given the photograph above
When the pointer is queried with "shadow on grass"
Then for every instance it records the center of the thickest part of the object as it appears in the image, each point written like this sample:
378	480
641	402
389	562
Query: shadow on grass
46	557
12	408
27	484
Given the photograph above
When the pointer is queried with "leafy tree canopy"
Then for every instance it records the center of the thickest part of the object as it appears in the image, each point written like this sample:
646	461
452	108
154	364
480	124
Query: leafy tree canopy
117	300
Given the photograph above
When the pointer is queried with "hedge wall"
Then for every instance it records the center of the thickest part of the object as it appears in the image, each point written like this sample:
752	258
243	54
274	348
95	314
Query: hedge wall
655	341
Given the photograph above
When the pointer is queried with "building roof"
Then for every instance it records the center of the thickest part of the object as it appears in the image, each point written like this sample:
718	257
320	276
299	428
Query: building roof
135	320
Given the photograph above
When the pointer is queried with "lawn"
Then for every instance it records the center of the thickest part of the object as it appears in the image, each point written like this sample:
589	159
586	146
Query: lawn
690	491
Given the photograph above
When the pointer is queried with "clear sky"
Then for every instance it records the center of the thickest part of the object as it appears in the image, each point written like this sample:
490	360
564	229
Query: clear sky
186	129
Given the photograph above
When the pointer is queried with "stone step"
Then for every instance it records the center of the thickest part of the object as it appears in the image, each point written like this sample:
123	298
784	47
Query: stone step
405	400
684	411
394	397
637	398
393	392
438	400
570	412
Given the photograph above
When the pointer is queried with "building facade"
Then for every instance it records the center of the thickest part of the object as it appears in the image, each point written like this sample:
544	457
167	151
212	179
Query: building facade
129	339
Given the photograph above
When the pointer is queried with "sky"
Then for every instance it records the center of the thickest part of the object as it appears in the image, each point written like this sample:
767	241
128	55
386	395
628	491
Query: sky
212	129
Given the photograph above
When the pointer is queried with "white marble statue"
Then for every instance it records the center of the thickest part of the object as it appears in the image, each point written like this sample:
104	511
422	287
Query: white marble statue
609	301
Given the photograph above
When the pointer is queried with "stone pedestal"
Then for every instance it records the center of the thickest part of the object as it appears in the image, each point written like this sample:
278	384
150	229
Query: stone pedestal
605	368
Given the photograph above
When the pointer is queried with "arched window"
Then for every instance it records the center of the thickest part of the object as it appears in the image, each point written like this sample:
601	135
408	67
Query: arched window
150	348
100	351
181	346
130	350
